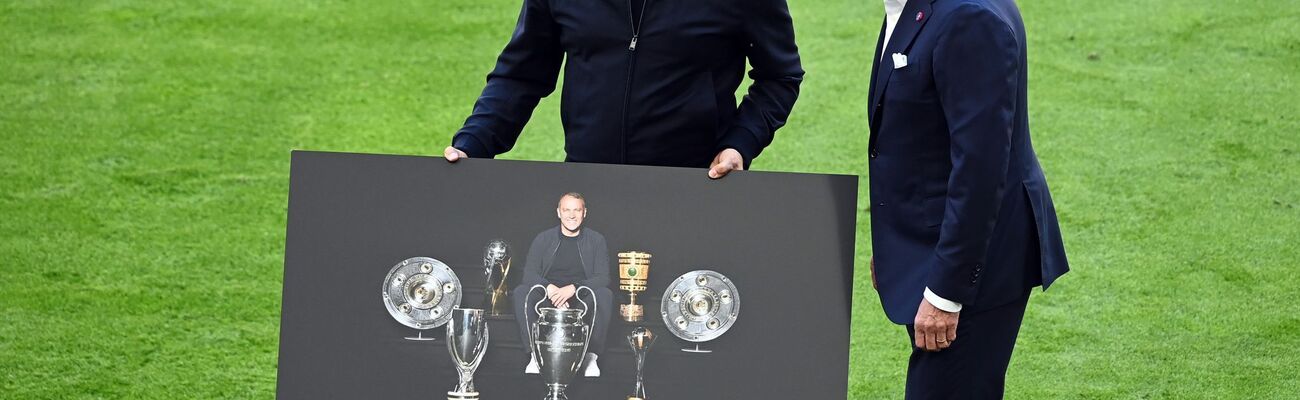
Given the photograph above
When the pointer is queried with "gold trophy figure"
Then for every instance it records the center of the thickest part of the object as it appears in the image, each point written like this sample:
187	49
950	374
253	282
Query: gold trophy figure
633	270
496	266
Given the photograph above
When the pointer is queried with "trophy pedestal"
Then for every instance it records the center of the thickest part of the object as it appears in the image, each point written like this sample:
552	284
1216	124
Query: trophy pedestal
696	349
419	337
632	312
555	391
462	395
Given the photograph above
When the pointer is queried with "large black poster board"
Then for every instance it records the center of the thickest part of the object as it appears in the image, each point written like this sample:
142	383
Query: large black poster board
785	240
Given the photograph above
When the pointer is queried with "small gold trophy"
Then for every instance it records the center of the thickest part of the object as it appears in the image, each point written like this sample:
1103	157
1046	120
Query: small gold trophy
633	270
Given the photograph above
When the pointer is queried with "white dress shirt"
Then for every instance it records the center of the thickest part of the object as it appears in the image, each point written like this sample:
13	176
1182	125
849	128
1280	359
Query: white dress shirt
894	10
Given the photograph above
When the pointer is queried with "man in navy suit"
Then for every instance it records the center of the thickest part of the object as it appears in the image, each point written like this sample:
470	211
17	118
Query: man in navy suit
962	223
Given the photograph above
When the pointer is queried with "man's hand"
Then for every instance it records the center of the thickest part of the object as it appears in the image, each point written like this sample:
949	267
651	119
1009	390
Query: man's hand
873	274
551	290
935	329
726	161
560	297
452	154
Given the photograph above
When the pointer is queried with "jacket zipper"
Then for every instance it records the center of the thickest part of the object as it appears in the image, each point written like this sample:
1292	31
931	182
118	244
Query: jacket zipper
547	268
631	64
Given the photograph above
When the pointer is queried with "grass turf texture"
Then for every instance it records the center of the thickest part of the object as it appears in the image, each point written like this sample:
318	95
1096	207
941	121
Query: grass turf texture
144	151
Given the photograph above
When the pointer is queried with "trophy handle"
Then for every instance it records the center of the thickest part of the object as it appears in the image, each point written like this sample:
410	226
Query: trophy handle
588	329
536	306
532	333
482	343
586	307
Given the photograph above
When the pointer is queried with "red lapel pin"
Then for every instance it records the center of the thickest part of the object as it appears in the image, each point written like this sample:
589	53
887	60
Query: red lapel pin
920	15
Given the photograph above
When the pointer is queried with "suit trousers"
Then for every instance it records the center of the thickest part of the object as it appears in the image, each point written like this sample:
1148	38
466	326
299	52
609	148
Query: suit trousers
604	302
975	366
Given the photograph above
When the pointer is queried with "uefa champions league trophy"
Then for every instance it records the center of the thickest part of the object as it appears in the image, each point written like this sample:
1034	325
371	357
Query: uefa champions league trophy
559	339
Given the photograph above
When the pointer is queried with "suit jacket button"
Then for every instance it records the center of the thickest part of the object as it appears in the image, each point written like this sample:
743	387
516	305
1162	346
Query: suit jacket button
873	154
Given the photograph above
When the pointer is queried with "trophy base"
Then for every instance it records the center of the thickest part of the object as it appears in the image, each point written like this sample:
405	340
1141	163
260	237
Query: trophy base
635	398
632	312
696	349
462	395
419	337
555	391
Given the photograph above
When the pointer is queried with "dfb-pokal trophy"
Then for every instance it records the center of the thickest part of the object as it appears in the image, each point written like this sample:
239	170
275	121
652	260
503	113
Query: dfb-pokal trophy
633	271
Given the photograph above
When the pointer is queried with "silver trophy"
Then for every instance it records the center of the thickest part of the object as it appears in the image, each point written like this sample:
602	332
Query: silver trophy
699	306
559	339
640	339
496	267
420	292
467	341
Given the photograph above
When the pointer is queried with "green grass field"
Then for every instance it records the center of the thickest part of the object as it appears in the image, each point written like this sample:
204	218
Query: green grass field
144	150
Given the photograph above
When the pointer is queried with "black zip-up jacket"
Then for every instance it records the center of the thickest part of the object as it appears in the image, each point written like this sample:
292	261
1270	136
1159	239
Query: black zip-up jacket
592	251
665	98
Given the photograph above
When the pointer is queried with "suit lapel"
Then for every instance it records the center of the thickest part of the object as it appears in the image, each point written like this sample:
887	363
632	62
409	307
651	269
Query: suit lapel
875	68
899	42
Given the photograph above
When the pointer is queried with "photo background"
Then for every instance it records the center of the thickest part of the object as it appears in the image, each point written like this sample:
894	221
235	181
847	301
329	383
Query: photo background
785	240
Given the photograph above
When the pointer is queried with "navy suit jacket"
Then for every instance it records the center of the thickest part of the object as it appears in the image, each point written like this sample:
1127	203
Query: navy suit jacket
959	202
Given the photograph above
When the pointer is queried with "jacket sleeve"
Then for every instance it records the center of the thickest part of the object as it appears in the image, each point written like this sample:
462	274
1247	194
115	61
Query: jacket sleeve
533	265
600	277
525	73
976	71
776	73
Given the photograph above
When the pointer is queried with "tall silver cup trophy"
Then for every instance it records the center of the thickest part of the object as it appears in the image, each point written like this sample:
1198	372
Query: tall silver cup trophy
559	340
467	341
640	339
496	267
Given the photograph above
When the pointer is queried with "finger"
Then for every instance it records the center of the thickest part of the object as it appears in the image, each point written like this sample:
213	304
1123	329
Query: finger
718	171
451	154
918	337
952	332
930	337
941	338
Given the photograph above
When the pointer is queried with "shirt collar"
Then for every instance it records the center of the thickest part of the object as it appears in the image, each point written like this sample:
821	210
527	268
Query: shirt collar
894	7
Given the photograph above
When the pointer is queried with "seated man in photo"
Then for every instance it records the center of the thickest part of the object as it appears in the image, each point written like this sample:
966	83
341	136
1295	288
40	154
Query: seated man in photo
562	259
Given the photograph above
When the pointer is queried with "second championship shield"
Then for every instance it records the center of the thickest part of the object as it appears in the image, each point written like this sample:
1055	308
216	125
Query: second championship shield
699	306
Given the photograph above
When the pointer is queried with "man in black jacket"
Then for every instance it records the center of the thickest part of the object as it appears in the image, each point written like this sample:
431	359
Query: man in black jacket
561	259
648	82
